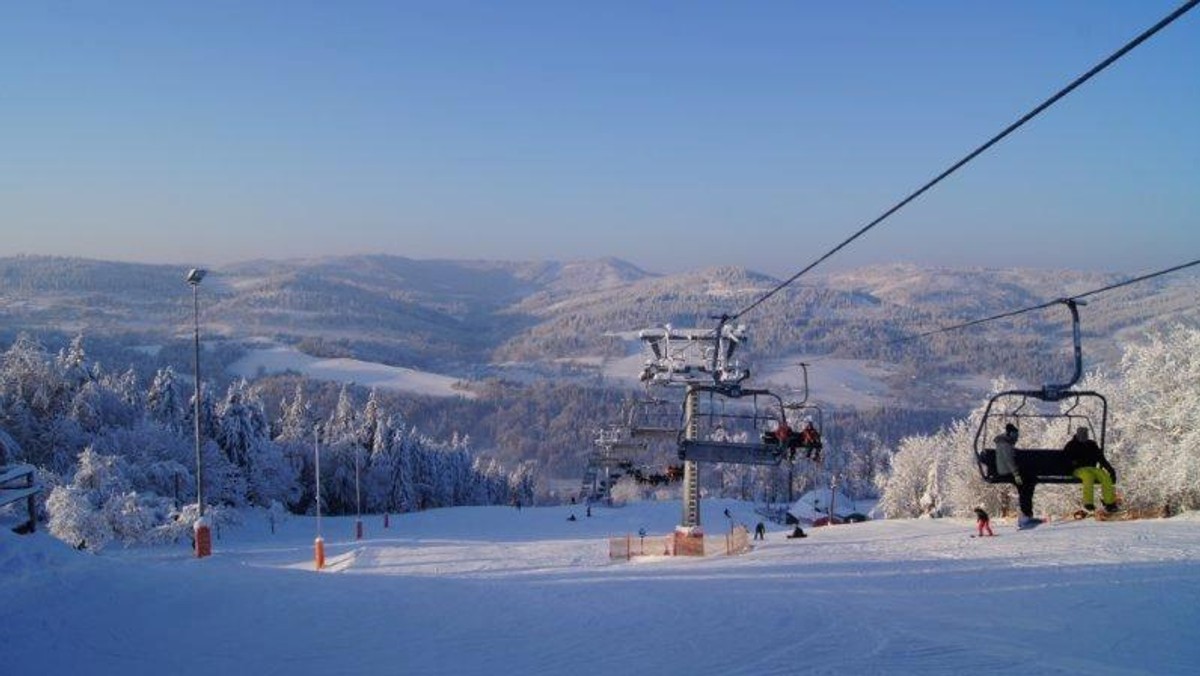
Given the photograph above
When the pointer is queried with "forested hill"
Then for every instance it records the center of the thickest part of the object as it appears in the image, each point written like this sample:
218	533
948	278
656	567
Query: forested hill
464	318
546	347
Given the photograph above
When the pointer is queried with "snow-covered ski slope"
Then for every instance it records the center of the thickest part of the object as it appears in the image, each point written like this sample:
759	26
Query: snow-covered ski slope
494	590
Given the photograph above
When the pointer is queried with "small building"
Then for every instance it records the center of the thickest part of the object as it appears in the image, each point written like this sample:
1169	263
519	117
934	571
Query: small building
816	507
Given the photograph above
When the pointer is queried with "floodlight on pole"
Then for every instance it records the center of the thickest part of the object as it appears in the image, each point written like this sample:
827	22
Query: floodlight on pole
203	534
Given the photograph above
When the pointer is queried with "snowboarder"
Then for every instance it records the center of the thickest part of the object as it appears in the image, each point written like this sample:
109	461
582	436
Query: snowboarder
1007	466
1091	466
983	522
760	531
797	532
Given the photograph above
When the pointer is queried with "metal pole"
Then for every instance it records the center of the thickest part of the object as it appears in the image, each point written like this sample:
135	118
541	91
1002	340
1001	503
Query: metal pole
691	470
319	543
196	410
317	454
358	526
203	534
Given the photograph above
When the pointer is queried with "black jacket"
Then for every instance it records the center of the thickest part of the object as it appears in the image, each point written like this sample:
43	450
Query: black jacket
1086	453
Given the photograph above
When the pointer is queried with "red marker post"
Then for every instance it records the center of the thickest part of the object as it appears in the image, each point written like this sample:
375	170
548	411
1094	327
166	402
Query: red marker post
203	537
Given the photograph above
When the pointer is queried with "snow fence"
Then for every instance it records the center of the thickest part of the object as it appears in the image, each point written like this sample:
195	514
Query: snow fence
679	543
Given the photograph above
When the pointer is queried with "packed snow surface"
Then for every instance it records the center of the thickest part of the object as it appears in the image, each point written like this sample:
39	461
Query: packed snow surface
497	590
279	359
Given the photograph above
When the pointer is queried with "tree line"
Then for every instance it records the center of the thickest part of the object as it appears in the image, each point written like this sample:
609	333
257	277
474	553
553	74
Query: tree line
1153	440
119	460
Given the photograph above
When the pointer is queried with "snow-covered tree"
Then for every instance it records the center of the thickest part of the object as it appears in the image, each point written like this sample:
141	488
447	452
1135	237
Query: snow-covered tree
294	434
342	457
522	483
72	365
164	403
99	505
241	425
1155	439
296	420
75	519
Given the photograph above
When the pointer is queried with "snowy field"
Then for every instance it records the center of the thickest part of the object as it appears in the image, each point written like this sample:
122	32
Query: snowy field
499	591
837	382
280	359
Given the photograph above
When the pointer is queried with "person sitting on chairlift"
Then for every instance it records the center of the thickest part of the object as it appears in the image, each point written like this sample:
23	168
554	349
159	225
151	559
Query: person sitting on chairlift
1008	469
1091	466
810	440
782	432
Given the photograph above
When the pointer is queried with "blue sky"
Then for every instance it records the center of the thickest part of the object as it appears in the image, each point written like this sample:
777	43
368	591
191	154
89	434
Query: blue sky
675	135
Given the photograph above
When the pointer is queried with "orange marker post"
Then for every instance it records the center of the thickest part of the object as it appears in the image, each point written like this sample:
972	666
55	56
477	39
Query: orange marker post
319	552
203	538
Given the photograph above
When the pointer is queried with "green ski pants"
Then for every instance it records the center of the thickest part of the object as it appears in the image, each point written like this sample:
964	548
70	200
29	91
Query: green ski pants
1089	476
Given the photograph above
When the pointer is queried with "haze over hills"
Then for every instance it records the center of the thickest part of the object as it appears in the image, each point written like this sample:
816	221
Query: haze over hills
477	319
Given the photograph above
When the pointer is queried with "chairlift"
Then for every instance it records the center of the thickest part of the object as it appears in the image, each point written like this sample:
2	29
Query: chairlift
1038	414
736	425
805	413
654	418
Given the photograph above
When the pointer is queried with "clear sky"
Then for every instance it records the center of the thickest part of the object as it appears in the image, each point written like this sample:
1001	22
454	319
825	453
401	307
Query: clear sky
674	135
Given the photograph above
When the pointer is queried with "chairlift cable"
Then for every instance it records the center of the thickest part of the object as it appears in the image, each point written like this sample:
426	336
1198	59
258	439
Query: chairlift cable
1032	308
1180	11
1047	304
1135	280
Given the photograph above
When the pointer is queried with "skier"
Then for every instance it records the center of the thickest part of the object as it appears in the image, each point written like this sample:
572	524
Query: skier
760	531
1007	466
1091	466
983	522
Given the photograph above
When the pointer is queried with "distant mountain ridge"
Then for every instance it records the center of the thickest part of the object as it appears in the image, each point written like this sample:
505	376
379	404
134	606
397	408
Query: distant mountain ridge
463	318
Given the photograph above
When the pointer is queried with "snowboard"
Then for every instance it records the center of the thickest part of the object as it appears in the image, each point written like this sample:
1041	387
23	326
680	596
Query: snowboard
1125	514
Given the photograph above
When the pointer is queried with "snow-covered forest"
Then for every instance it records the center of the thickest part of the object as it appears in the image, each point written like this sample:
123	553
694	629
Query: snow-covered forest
1153	441
118	457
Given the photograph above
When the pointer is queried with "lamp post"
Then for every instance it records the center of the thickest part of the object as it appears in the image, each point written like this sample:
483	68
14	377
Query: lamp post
358	527
203	533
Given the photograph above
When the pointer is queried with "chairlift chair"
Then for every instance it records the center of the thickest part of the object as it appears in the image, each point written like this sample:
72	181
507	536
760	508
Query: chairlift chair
804	412
654	418
1049	406
736	425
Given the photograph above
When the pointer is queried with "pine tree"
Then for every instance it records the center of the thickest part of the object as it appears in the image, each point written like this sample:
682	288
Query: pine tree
163	403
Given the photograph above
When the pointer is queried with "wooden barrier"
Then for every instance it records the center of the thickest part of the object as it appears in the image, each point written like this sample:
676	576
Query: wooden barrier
682	542
17	482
